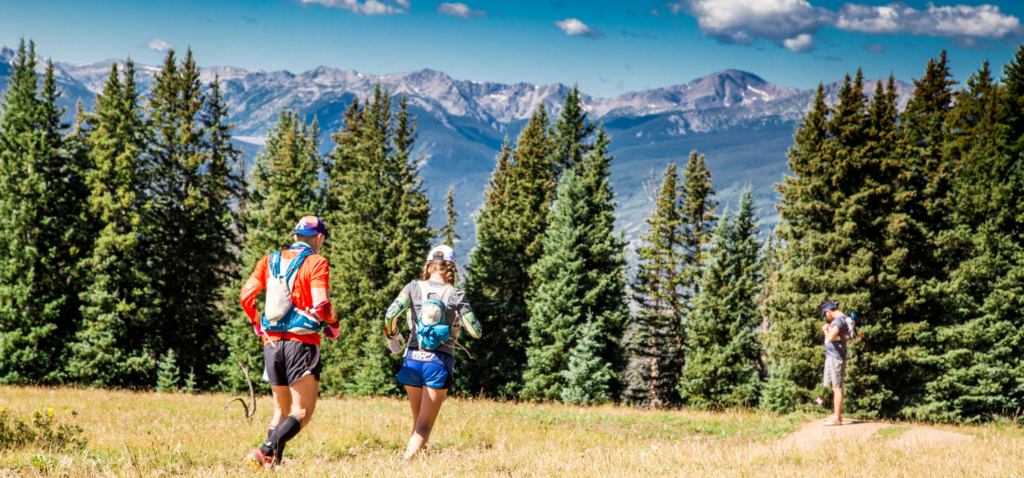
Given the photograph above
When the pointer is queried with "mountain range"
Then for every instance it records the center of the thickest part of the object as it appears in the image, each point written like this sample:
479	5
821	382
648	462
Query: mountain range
742	123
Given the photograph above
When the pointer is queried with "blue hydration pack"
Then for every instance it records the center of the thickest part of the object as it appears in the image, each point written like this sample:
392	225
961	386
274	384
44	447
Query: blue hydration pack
279	314
432	328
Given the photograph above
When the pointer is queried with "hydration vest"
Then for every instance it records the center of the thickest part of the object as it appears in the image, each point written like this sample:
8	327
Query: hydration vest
279	313
851	326
432	329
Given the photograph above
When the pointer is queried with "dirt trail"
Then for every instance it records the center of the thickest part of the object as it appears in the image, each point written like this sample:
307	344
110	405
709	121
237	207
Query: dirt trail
815	434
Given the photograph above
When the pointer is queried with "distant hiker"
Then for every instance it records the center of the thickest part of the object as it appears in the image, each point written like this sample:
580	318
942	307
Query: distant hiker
439	311
296	281
837	331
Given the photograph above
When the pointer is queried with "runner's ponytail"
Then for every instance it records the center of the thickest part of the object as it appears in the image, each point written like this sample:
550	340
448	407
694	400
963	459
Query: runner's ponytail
446	268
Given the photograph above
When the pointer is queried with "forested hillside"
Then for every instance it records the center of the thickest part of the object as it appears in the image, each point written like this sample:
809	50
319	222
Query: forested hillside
743	123
127	234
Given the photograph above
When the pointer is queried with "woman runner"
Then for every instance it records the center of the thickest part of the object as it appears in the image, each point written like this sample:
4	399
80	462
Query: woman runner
296	281
427	369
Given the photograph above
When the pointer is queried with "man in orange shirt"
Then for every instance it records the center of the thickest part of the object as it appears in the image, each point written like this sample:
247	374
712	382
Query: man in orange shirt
296	281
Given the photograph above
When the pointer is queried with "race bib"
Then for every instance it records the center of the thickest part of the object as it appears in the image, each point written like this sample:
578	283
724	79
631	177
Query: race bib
420	356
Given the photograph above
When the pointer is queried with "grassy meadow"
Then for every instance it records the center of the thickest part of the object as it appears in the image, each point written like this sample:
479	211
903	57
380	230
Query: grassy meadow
153	434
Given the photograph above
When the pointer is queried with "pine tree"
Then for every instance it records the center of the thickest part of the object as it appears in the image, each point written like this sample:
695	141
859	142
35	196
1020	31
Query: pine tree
792	335
448	232
284	186
40	229
378	213
194	233
722	351
697	216
113	347
570	134
851	238
653	338
510	228
168	376
979	351
579	279
587	376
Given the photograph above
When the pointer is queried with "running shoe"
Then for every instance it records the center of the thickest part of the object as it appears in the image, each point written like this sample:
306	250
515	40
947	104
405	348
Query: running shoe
833	421
258	461
830	417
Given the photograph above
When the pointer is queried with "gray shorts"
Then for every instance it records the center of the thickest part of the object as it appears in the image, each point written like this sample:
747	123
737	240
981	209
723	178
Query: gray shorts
835	369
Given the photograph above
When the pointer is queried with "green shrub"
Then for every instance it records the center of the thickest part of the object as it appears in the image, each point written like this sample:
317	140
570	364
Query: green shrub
41	431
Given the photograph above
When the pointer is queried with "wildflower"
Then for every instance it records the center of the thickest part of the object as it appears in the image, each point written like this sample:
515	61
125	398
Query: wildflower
68	411
49	412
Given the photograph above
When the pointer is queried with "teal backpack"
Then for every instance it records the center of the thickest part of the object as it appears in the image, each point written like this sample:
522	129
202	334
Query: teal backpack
279	313
432	329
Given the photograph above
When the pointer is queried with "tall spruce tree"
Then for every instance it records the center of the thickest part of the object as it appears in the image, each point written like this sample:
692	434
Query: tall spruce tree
377	212
194	233
698	217
978	348
448	232
283	187
792	336
851	237
653	337
571	133
578	280
509	230
722	350
113	345
40	228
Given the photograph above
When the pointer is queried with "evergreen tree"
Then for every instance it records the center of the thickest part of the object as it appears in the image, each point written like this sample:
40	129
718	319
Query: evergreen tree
792	336
113	345
378	214
653	338
168	376
448	232
851	238
193	226
722	351
698	218
570	134
579	279
587	376
510	228
978	351
40	228
283	187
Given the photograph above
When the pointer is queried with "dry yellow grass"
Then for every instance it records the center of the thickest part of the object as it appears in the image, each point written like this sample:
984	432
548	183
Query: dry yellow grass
176	434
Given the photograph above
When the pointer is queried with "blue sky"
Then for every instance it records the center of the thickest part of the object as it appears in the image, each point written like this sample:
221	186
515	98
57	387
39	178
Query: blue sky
607	47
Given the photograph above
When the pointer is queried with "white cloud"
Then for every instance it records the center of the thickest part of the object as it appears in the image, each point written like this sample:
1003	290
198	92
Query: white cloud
460	10
366	7
959	22
792	23
574	27
800	43
159	45
744	22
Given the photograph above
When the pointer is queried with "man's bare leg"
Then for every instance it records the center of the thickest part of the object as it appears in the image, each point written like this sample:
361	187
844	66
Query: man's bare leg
837	398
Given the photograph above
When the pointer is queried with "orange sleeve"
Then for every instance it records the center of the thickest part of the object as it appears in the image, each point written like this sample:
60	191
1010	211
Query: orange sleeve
257	281
320	276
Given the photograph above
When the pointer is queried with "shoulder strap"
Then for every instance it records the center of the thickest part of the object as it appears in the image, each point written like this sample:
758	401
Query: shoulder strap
446	293
293	267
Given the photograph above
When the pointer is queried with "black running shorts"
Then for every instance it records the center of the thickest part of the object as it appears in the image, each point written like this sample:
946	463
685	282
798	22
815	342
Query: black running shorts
287	361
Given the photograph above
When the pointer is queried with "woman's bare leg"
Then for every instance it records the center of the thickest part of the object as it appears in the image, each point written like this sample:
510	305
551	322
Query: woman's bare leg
430	404
415	395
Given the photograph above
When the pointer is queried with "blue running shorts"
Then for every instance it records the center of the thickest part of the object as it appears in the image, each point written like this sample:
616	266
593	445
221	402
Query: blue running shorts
426	369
